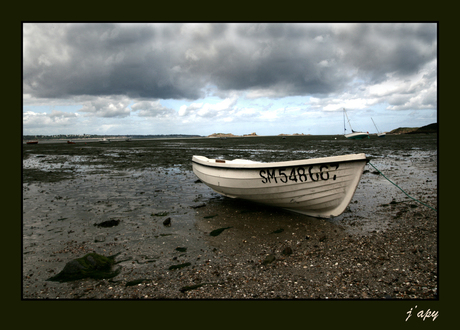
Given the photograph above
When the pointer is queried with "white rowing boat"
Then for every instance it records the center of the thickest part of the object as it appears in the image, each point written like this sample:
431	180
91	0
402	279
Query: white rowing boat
321	187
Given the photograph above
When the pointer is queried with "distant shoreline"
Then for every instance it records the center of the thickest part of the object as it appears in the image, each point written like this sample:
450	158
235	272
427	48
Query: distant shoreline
428	129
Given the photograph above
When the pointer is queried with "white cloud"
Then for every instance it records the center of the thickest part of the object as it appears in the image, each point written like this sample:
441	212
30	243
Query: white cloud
42	119
106	107
152	109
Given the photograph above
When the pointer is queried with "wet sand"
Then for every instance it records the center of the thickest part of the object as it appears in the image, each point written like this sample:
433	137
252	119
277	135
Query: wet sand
384	246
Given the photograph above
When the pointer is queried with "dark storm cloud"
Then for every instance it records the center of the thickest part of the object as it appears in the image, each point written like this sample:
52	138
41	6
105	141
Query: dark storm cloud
101	59
177	61
379	49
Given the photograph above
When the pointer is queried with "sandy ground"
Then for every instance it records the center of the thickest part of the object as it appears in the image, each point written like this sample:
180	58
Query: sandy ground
384	246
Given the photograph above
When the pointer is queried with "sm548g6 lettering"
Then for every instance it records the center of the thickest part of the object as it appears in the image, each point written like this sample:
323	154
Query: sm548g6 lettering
298	174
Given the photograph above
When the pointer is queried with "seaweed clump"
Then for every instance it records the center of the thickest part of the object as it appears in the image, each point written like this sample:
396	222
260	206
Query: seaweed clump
217	232
92	265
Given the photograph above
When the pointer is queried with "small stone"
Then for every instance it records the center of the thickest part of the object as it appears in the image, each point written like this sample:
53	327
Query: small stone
268	259
167	222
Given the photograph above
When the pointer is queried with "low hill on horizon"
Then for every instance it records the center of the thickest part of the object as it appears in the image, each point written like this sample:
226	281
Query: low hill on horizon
431	128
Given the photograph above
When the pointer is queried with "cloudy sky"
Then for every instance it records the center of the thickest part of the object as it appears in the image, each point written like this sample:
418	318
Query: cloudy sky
203	78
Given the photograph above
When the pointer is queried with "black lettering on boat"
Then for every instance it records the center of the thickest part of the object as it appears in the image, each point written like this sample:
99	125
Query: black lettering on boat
336	167
297	174
302	174
281	173
292	176
311	174
261	173
271	175
327	172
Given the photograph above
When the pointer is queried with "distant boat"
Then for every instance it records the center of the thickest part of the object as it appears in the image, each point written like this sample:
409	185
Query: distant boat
353	135
71	142
379	134
128	139
320	187
104	140
32	142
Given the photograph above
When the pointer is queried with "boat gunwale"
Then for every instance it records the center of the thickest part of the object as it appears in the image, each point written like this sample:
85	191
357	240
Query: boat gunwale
290	163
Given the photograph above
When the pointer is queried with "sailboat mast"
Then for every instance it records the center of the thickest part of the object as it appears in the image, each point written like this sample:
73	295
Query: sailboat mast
375	125
347	119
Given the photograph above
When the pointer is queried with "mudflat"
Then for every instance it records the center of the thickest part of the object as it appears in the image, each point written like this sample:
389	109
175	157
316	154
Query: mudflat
172	237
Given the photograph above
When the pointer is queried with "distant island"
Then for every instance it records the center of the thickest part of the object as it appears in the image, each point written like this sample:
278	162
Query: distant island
295	134
225	135
221	135
431	128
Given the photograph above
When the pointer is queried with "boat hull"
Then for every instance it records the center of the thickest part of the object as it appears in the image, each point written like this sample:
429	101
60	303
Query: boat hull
357	136
321	187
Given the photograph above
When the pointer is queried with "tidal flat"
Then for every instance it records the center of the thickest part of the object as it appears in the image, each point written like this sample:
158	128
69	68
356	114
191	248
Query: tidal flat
174	238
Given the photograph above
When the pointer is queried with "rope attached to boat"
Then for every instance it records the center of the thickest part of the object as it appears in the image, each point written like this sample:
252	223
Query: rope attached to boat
402	190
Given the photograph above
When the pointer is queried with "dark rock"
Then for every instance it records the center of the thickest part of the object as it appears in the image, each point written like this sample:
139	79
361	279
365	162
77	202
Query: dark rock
167	222
287	251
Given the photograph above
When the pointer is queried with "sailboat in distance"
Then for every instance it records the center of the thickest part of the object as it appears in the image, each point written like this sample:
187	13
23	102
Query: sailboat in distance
353	135
379	134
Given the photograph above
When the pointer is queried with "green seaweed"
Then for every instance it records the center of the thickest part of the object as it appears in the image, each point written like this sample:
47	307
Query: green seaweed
92	265
179	266
160	214
210	216
277	231
181	249
218	231
269	259
107	224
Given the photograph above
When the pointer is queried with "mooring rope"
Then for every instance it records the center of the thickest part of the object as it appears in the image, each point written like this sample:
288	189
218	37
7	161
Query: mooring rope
402	189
